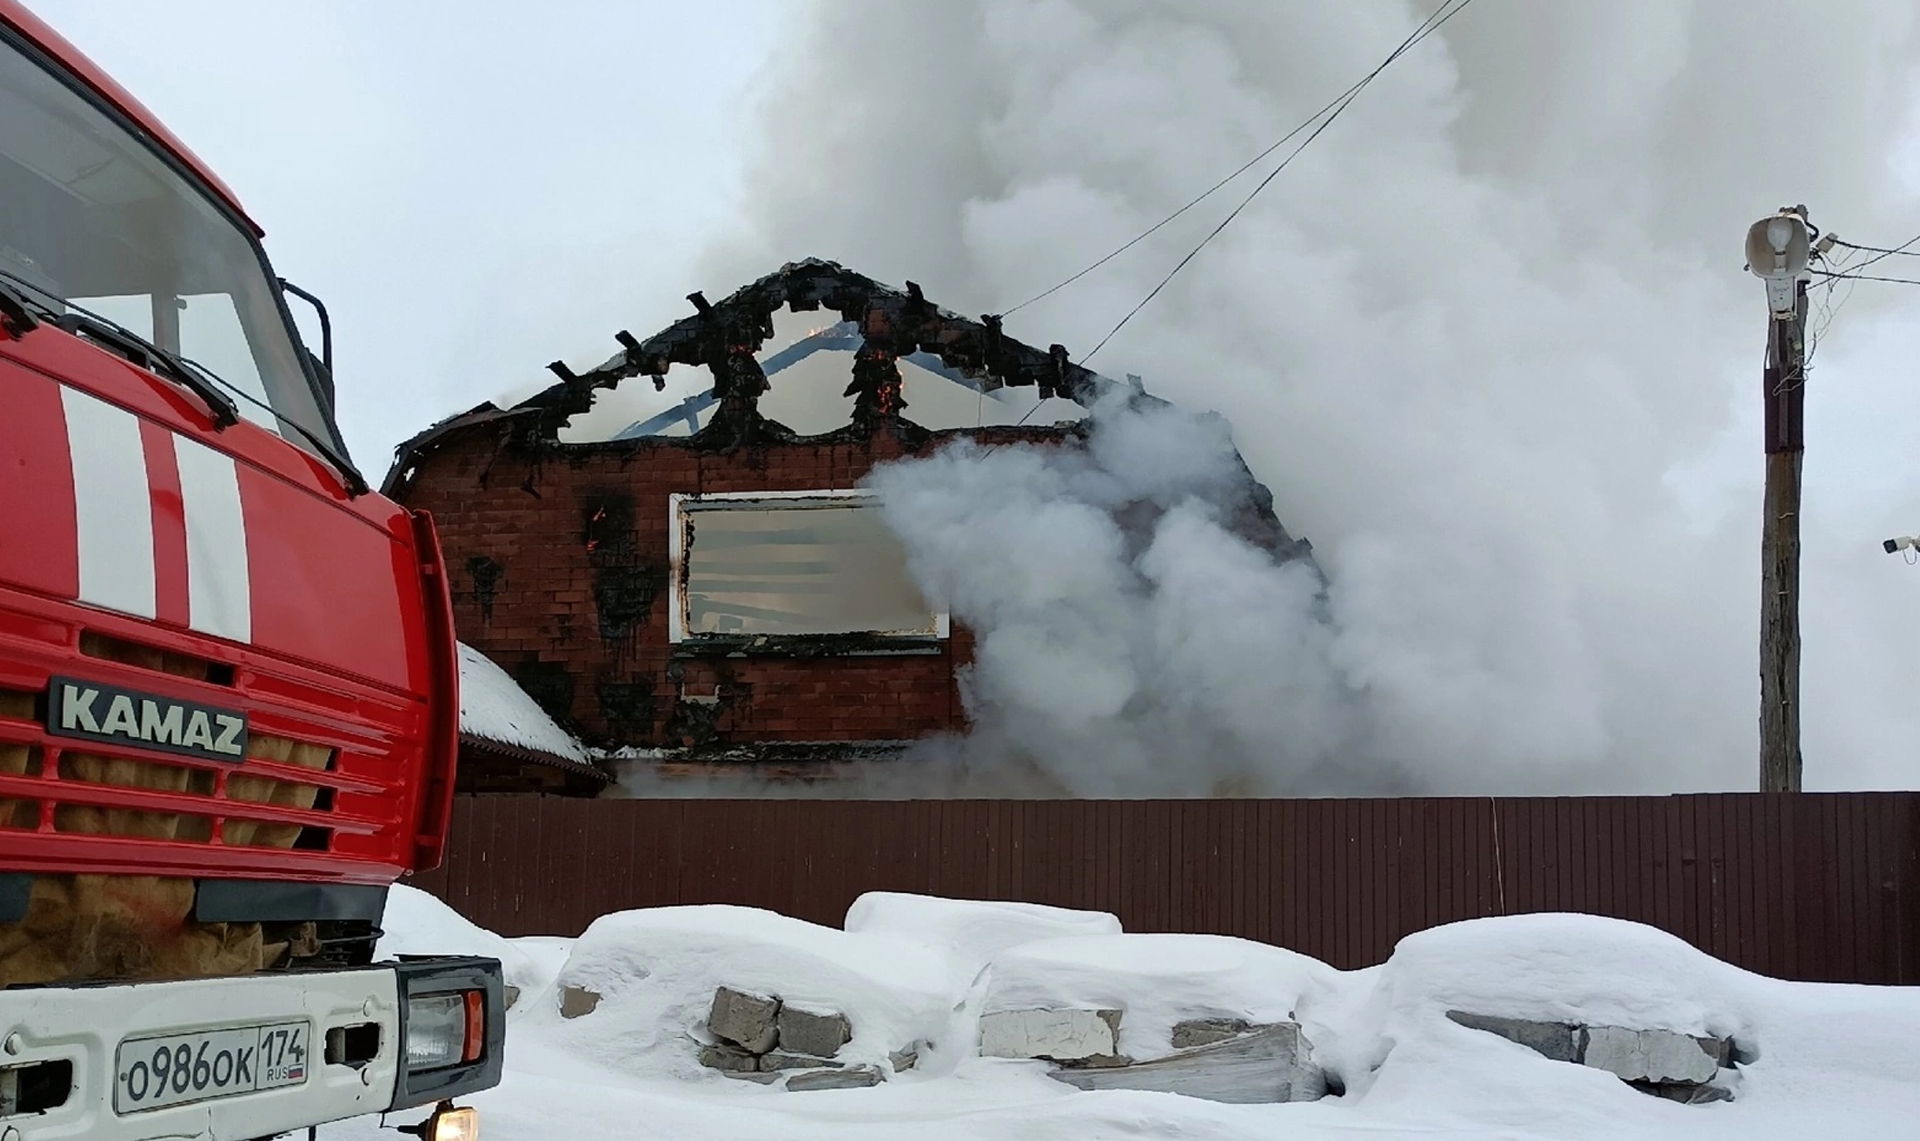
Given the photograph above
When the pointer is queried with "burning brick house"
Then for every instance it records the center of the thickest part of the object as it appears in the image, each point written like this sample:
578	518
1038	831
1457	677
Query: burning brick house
729	600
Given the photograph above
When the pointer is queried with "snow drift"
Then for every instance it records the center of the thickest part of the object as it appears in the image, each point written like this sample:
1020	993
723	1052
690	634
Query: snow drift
970	932
1816	1059
417	923
656	972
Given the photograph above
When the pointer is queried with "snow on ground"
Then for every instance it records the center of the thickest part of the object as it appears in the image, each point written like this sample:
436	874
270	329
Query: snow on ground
1819	1060
493	707
417	923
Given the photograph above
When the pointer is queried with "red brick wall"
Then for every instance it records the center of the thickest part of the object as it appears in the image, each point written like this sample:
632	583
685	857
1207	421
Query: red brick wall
559	616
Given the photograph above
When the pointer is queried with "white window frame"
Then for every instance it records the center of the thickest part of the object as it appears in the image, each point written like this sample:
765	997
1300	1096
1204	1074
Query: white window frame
680	505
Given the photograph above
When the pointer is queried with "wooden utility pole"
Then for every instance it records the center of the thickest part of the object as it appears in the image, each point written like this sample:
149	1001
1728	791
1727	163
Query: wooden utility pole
1784	385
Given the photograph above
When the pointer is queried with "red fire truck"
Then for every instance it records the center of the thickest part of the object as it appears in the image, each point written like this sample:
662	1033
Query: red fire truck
228	675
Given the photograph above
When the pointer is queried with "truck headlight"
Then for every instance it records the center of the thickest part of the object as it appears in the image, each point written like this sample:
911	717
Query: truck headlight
451	1033
444	1029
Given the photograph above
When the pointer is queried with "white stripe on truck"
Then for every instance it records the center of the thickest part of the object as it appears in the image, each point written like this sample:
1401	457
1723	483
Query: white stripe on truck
112	504
219	592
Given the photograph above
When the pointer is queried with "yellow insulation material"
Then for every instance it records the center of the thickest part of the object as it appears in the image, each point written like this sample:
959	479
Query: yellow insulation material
265	790
81	927
17	760
122	927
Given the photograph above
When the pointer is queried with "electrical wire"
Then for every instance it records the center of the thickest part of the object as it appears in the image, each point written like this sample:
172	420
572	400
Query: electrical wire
1881	253
1884	250
1868	276
1828	307
1335	105
1447	11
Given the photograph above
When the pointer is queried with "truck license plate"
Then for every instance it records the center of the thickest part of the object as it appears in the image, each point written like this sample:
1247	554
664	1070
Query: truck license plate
151	1073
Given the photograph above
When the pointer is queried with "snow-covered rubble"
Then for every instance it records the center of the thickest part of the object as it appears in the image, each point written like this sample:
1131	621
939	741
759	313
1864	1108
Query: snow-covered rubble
656	973
1158	981
1386	1044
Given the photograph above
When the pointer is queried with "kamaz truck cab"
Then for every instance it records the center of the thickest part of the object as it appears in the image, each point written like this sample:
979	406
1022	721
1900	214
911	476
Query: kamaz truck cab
228	675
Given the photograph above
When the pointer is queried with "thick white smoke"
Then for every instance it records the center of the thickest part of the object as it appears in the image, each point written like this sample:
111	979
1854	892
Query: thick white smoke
1129	642
1487	340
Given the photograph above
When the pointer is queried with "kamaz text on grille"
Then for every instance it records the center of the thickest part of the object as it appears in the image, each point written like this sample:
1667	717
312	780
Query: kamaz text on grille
92	711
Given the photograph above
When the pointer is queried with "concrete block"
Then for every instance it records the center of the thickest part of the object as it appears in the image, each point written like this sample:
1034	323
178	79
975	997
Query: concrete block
855	1077
1722	1050
754	1076
577	1001
1664	1056
1559	1041
804	1032
746	1020
1060	1034
1207	1031
904	1060
1267	1064
778	1060
728	1058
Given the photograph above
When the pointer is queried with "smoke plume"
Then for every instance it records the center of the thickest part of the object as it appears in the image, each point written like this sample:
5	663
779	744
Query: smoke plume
1487	340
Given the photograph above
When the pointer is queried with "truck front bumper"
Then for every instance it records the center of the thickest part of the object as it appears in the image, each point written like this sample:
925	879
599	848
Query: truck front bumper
350	1059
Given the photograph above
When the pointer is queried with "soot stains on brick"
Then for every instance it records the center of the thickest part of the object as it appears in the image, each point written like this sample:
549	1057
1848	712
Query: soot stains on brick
702	709
693	724
624	597
624	583
627	706
550	686
486	575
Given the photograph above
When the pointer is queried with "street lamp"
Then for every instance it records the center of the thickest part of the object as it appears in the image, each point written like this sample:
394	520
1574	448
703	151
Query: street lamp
1778	249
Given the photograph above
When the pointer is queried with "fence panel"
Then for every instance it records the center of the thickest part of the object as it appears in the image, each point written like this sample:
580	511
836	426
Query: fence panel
1808	886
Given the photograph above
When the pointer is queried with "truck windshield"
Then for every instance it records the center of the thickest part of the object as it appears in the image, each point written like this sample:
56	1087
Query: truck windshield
92	217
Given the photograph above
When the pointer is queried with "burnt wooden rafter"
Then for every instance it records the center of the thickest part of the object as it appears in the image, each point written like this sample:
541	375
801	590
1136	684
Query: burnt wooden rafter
724	337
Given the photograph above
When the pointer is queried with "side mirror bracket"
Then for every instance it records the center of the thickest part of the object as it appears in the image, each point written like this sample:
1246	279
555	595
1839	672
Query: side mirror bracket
326	330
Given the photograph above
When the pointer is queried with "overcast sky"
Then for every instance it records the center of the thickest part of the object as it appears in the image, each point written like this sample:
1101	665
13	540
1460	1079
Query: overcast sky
475	193
474	189
1494	318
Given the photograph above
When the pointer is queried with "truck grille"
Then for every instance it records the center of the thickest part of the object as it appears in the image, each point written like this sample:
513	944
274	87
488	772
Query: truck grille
323	788
256	804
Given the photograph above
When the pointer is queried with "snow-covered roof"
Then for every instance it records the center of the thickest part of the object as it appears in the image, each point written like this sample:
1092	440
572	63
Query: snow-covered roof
493	708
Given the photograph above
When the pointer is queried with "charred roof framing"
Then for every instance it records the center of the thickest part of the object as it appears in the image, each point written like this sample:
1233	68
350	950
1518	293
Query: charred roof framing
724	338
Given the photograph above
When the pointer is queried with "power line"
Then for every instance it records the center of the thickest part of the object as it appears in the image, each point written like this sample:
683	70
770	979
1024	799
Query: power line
1881	253
1447	11
1829	308
1901	249
1426	28
1868	276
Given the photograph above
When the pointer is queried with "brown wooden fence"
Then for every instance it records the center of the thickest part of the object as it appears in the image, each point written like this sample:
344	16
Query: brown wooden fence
1808	886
